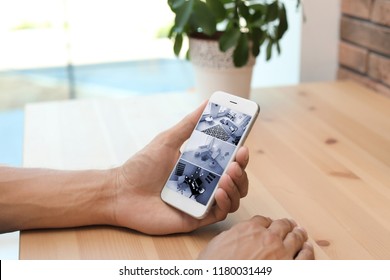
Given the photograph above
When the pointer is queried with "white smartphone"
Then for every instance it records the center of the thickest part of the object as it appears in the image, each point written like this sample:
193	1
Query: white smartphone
222	128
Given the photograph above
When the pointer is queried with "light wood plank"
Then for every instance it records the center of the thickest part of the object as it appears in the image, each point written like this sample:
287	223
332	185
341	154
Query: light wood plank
320	153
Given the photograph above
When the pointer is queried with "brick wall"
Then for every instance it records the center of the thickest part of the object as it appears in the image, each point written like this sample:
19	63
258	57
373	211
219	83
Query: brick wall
364	49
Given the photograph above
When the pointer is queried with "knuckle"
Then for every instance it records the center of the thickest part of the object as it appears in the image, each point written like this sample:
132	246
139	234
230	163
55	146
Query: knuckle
287	223
257	219
297	236
272	238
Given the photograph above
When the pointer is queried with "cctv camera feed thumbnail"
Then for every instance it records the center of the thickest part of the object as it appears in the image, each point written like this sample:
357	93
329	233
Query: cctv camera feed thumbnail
208	152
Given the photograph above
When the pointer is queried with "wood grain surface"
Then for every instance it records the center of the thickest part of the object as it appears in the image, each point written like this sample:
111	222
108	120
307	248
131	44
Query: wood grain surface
319	153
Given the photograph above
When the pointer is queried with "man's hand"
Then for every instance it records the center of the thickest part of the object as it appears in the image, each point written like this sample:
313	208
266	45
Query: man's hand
140	180
260	238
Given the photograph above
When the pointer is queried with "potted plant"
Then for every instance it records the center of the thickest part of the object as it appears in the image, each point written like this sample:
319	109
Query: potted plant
225	37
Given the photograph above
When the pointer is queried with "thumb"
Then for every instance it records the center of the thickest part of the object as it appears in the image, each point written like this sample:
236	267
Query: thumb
182	130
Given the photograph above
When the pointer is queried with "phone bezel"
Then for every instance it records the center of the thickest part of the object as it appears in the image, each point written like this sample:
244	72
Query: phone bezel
230	101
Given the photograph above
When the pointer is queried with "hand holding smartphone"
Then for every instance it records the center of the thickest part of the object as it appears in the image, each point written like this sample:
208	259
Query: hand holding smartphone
220	131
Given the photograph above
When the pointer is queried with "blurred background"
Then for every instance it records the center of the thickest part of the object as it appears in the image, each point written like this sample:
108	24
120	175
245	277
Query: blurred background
63	49
67	49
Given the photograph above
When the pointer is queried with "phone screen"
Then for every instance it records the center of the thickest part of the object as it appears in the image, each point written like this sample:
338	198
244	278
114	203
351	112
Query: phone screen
208	152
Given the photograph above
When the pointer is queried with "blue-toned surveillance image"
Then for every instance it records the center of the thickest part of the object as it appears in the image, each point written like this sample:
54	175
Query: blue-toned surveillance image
208	152
223	123
193	181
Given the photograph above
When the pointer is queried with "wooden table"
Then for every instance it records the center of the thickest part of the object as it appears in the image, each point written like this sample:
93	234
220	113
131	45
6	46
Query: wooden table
320	153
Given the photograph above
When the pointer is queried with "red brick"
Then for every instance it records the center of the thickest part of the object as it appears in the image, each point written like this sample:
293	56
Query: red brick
345	74
366	34
353	57
357	8
379	68
381	12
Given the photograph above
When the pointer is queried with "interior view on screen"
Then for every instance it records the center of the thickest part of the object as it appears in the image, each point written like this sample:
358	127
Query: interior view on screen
223	123
208	152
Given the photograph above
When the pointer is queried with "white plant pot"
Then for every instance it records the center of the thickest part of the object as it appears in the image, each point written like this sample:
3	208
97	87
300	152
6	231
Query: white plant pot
214	70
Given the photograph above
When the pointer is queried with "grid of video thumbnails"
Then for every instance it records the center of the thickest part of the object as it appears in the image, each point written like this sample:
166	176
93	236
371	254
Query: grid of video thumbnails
208	152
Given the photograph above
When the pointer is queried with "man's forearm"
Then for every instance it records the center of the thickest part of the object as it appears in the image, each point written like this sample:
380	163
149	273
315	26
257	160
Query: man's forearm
44	198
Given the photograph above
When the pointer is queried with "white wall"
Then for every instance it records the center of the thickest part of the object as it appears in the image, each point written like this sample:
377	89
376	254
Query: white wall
309	49
320	40
283	69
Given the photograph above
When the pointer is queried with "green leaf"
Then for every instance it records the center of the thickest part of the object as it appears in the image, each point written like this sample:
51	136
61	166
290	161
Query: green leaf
217	8
258	37
175	4
171	31
259	7
269	50
229	39
273	11
178	44
241	53
257	19
244	10
204	18
283	25
183	15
